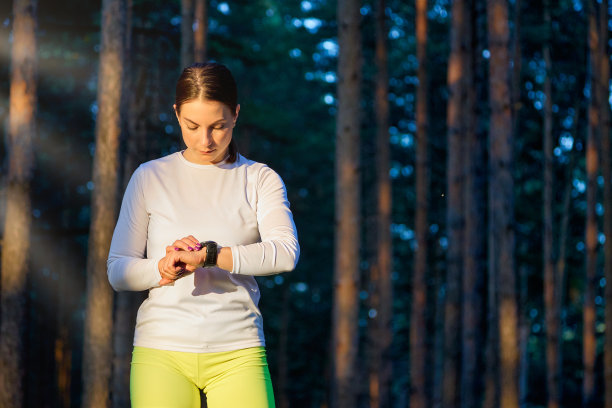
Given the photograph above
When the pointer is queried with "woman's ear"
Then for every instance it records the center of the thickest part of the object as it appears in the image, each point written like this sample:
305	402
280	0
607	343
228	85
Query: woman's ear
176	113
237	111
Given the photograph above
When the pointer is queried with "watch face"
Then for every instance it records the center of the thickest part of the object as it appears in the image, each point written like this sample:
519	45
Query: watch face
211	253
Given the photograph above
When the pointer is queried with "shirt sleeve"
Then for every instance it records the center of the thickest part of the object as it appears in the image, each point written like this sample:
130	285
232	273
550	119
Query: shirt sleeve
279	249
127	267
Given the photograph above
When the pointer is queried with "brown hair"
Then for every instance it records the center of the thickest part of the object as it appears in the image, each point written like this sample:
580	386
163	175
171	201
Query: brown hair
209	81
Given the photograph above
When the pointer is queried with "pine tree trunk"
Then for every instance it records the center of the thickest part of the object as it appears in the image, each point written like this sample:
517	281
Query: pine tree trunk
501	202
187	34
606	168
346	270
97	349
18	218
381	336
592	168
199	35
437	373
418	325
126	303
550	274
456	80
473	243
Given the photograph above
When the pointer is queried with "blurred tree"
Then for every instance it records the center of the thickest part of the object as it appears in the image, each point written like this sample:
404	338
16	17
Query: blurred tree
97	351
606	168
346	274
553	333
474	249
16	235
131	154
501	202
381	292
187	33
201	29
455	212
591	229
418	315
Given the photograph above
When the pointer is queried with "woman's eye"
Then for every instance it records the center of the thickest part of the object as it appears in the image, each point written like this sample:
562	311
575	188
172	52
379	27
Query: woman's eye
191	128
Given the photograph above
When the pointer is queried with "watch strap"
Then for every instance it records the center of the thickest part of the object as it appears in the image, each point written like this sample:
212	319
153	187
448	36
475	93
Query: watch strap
211	253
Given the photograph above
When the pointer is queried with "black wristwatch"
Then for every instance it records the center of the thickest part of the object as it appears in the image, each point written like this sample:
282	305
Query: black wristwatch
211	253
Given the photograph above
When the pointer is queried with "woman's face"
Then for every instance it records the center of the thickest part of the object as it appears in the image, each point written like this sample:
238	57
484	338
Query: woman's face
207	130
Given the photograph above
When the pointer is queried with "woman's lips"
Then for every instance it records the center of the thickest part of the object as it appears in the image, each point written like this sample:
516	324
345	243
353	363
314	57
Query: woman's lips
207	151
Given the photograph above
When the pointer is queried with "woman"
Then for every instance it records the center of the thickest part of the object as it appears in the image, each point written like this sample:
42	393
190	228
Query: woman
195	227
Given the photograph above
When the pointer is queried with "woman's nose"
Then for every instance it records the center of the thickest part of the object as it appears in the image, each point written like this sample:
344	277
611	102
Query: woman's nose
207	137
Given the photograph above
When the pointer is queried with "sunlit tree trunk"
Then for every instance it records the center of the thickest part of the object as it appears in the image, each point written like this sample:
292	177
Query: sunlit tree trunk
592	168
501	202
18	218
418	322
201	30
187	55
606	168
380	334
473	243
552	314
347	218
456	82
125	302
97	348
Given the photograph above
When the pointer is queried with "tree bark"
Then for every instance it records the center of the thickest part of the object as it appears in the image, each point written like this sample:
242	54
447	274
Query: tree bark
552	315
501	201
347	240
187	34
418	325
473	243
97	352
381	335
456	82
606	168
18	218
592	168
201	30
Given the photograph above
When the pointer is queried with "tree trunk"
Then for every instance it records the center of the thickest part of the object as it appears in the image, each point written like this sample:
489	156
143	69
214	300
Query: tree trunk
473	243
501	202
346	271
126	303
201	30
592	167
561	265
380	340
606	168
18	219
456	82
550	274
418	325
437	374
97	349
187	34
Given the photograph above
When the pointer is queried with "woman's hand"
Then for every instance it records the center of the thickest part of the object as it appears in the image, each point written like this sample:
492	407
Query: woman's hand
182	258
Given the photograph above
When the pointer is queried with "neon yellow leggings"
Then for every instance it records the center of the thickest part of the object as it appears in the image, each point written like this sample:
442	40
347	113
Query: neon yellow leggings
173	379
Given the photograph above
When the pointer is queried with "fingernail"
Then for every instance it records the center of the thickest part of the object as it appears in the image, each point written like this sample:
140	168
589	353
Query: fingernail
190	248
177	249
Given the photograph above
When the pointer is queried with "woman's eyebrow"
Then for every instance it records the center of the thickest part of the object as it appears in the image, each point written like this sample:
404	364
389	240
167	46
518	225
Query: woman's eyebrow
214	123
197	124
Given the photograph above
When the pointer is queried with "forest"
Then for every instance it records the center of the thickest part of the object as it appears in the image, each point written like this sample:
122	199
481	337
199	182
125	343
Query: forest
447	163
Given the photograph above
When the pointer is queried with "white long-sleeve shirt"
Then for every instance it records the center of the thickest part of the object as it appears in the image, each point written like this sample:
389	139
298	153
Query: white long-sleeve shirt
241	205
